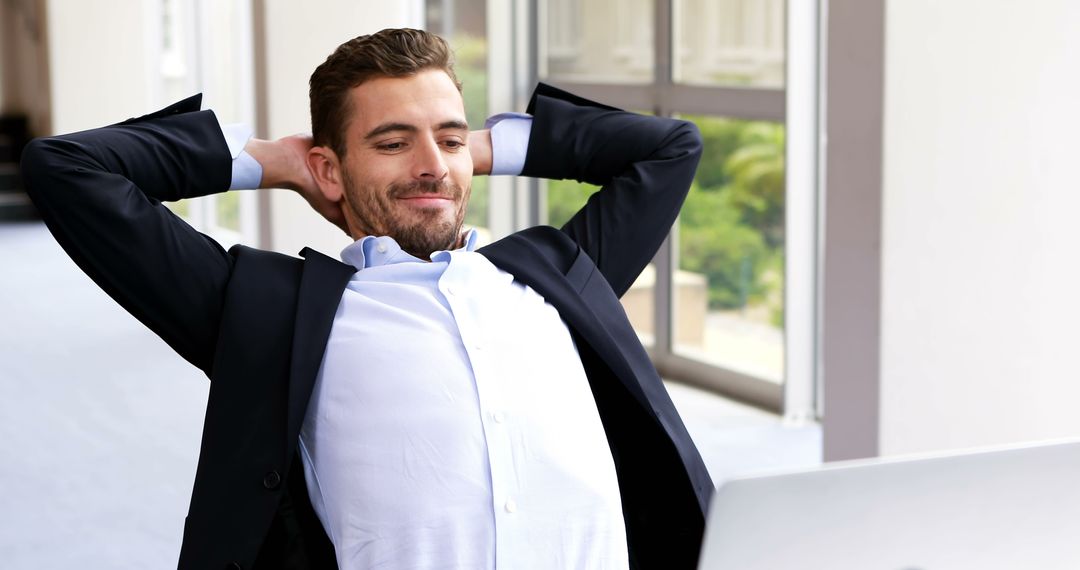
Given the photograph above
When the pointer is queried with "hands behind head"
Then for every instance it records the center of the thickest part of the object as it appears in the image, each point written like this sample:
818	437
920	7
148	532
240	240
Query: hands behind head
284	163
296	148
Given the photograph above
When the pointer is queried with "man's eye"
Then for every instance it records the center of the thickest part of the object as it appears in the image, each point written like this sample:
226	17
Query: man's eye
453	144
391	146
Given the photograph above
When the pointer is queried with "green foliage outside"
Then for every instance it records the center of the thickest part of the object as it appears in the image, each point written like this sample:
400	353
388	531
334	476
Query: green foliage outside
564	198
470	55
732	226
228	210
180	208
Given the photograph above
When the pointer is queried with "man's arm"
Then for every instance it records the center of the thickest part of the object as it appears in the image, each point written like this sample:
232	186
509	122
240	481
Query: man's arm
100	193
644	165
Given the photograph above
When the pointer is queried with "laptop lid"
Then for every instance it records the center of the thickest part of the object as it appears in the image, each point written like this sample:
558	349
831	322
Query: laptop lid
1016	507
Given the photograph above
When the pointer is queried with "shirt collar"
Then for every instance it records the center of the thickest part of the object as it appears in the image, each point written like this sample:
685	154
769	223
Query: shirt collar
372	251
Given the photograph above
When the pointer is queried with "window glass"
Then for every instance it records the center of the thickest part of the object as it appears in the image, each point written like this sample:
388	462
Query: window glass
228	211
729	42
565	198
174	69
597	41
176	65
463	23
729	286
182	208
217	28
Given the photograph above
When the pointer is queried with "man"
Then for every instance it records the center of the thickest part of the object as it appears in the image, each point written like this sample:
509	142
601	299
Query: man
420	403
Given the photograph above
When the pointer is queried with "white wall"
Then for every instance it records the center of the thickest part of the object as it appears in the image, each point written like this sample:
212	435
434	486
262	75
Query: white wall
298	37
981	223
97	62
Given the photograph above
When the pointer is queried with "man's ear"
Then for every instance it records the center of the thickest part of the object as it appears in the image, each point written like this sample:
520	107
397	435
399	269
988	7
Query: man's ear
326	169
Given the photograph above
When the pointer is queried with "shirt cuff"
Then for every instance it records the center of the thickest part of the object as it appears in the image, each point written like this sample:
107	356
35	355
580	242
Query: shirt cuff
246	171
509	142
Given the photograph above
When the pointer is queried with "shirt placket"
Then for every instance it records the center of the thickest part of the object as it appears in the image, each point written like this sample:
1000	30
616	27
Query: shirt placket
496	418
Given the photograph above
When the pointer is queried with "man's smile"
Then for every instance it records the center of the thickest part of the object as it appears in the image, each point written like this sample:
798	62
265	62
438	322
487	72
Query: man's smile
427	201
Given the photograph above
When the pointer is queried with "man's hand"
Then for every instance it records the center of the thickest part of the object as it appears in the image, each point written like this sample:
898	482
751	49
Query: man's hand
284	164
480	149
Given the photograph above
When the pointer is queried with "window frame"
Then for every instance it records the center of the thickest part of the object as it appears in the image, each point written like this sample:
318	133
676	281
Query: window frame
193	23
797	106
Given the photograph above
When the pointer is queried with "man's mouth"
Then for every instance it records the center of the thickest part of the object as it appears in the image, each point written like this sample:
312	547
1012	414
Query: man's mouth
427	200
426	195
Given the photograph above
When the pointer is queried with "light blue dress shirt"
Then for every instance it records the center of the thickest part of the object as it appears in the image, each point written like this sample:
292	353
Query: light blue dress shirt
452	425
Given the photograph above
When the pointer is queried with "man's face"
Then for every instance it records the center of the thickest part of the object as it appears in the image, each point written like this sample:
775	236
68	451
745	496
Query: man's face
407	172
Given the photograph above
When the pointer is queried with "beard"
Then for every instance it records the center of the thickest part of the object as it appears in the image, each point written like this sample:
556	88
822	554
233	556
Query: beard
419	231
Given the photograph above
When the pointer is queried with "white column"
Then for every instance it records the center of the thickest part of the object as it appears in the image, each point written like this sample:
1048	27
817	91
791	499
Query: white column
980	277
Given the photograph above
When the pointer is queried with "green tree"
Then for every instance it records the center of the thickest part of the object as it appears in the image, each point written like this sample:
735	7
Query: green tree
731	228
714	241
565	198
756	175
732	225
721	137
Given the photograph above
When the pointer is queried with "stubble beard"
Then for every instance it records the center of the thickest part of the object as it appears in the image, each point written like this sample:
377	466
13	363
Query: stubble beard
419	231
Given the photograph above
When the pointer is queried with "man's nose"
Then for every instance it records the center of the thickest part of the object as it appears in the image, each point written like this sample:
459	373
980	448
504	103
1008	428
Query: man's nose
430	163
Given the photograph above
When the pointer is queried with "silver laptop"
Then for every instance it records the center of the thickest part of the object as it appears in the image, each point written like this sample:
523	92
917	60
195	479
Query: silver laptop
1006	508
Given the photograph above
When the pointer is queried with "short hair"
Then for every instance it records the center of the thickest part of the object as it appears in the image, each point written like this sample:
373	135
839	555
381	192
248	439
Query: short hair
394	52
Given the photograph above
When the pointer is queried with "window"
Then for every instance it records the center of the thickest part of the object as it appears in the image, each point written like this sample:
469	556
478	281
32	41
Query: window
728	304
716	298
729	301
463	23
729	42
206	47
574	50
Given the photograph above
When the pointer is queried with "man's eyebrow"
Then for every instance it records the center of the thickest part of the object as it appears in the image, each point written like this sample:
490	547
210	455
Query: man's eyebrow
392	127
453	124
388	128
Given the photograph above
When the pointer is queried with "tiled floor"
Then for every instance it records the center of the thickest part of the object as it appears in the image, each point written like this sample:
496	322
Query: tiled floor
101	422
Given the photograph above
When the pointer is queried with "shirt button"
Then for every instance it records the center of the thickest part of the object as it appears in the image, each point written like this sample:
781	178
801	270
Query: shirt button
381	248
511	506
498	417
272	480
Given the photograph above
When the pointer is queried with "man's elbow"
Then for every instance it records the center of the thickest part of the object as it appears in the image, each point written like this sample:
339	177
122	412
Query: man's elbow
689	139
38	161
46	160
685	144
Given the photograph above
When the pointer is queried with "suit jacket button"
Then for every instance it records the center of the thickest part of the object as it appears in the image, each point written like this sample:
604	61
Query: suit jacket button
271	480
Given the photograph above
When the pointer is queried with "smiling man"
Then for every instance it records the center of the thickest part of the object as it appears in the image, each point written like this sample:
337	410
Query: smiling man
420	403
410	169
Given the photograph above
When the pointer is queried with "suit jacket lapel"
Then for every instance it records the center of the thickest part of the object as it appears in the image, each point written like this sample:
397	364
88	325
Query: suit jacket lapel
564	293
321	285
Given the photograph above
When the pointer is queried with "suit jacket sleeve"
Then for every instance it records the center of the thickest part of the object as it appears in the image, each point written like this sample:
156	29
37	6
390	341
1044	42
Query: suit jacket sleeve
100	193
643	164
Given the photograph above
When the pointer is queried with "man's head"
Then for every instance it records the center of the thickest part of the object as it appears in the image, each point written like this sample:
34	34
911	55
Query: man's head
390	137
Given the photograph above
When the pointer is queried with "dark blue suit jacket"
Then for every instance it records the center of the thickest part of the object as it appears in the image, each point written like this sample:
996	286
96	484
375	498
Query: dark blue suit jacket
257	322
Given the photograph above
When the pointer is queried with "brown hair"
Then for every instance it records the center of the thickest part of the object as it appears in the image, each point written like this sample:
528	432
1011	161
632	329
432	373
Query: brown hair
387	53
